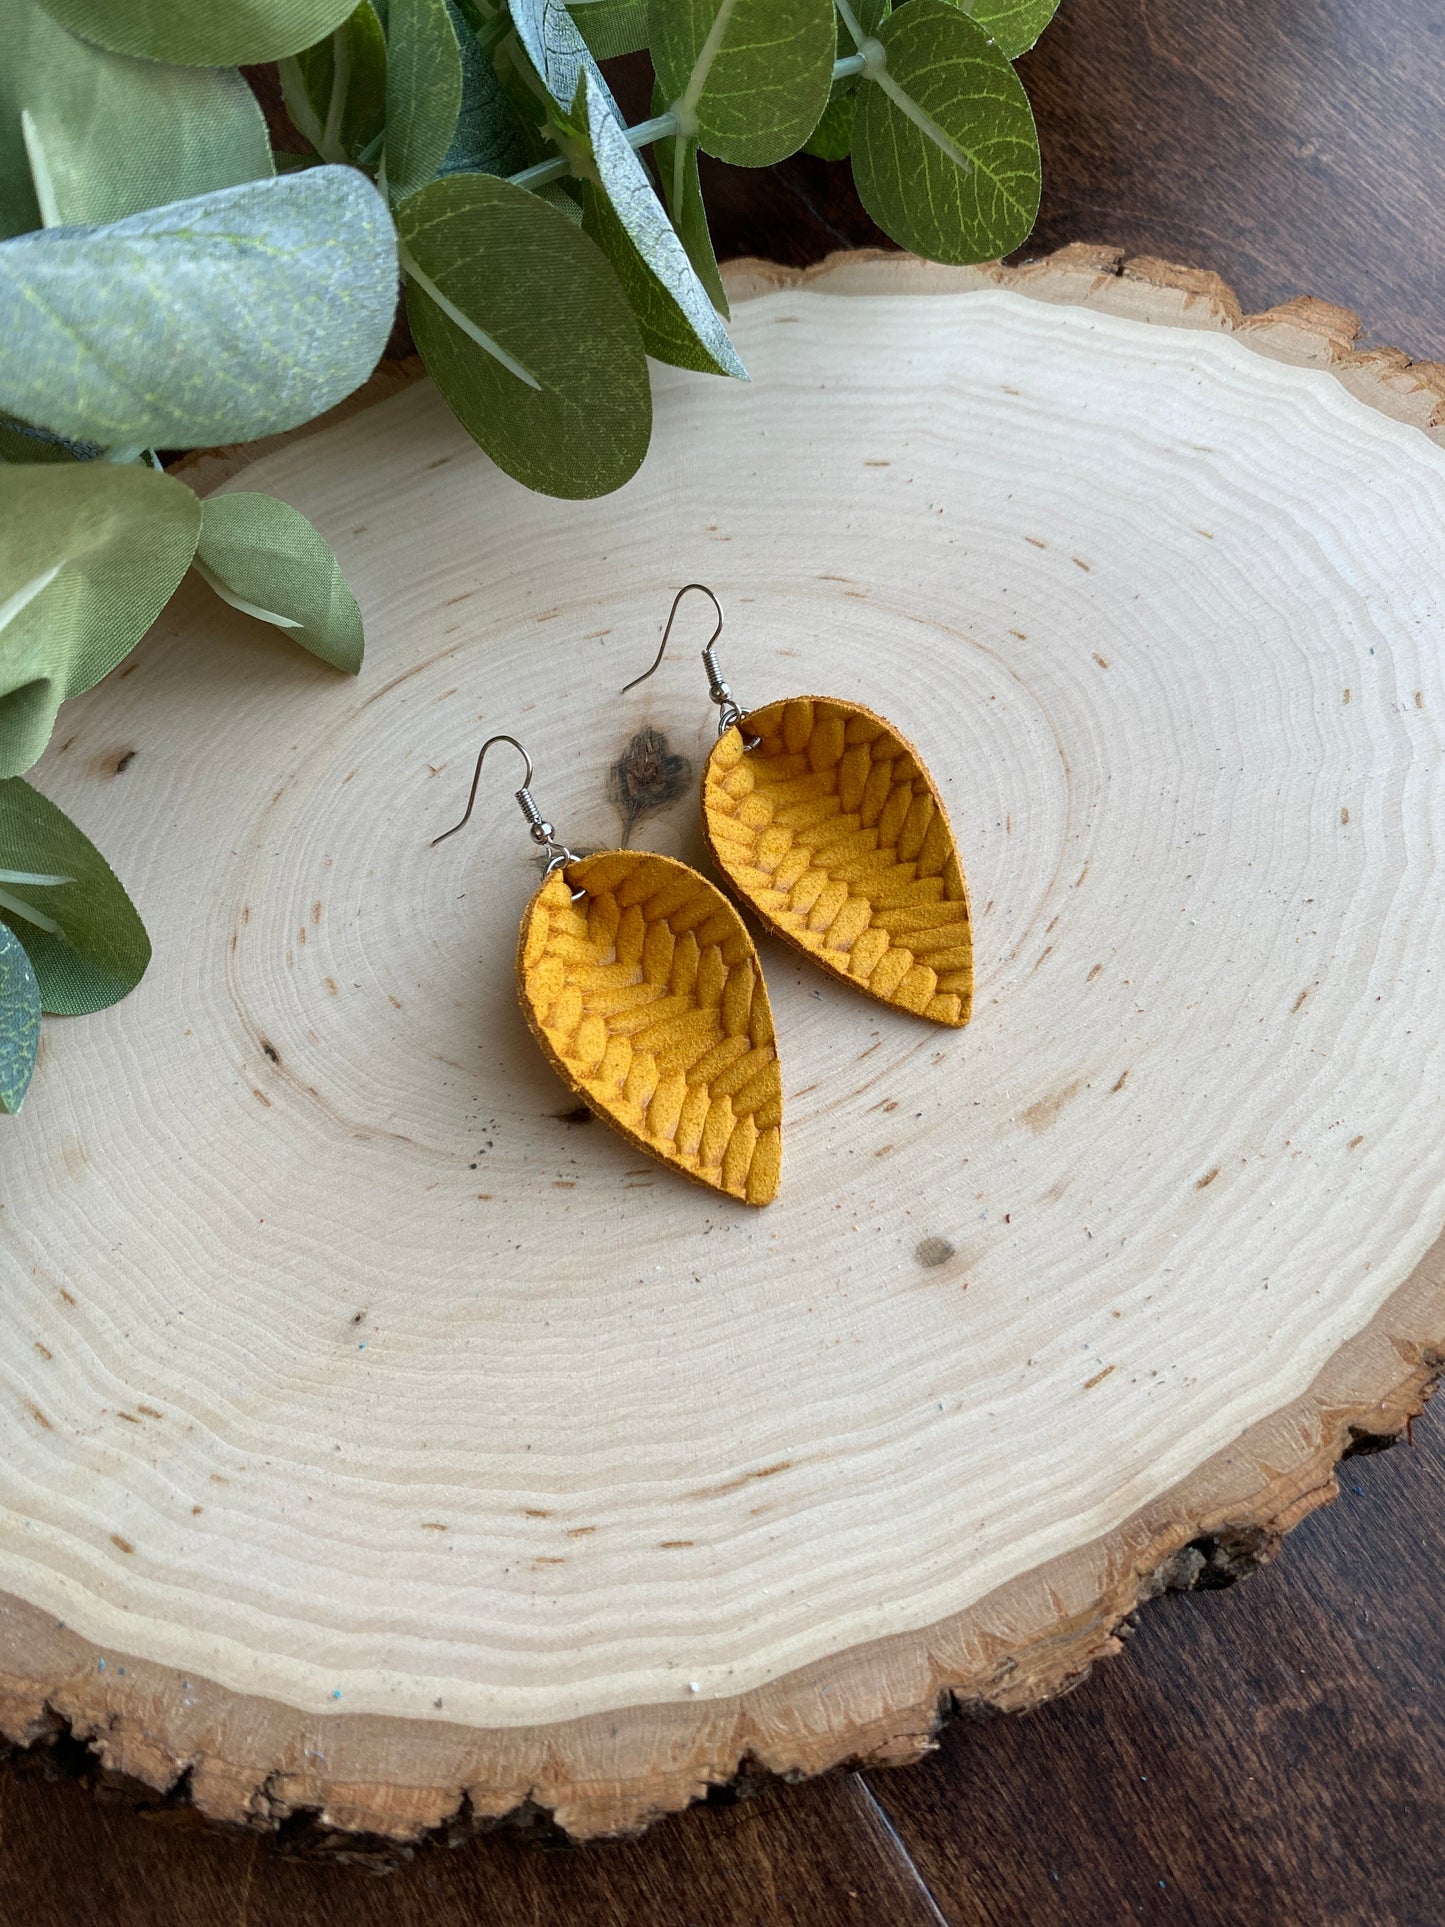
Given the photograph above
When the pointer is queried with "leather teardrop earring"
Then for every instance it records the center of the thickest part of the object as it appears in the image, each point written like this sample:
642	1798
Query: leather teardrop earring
643	988
826	823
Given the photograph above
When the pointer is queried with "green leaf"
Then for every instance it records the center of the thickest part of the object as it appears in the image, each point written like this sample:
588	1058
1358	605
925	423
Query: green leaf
1012	25
13	905
19	1021
832	137
611	27
100	949
202	128
263	557
750	78
622	214
489	138
564	195
676	163
423	93
335	92
216	320
90	553
21	443
549	37
526	333
202	33
945	155
527	96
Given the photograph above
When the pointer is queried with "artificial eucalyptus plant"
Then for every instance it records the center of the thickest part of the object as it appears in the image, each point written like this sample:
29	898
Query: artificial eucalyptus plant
168	282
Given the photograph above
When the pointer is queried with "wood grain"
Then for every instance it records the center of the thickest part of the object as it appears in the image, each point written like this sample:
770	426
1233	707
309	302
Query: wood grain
1274	1755
1209	158
1183	1007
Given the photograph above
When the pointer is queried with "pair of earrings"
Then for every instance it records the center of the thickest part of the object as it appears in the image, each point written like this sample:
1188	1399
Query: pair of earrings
639	977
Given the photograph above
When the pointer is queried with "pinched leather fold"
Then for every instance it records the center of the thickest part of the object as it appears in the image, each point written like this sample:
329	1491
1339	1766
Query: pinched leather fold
647	995
830	828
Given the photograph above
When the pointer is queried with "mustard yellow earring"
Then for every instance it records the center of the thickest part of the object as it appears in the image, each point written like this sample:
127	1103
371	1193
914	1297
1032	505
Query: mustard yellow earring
826	823
644	990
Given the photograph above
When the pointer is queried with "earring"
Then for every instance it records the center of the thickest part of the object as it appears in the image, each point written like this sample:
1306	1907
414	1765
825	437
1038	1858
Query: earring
644	990
826	823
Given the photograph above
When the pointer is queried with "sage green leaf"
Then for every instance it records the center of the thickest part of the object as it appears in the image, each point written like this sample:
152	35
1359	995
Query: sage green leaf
528	98
201	33
215	320
945	155
526	333
19	442
89	555
335	92
624	216
423	92
264	557
676	162
96	949
489	138
202	128
1012	25
611	27
549	37
750	78
19	1021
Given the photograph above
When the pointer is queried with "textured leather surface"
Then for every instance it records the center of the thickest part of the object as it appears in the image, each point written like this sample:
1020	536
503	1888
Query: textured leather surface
831	830
648	997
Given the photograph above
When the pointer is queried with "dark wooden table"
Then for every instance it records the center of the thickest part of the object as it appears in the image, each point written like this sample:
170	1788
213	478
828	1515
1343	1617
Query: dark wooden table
1270	1754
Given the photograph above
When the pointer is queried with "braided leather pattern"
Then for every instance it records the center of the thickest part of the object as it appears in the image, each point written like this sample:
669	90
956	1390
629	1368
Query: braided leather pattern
648	997
831	830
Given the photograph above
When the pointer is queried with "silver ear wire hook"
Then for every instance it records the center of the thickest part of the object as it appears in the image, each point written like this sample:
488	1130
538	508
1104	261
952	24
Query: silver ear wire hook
540	830
728	710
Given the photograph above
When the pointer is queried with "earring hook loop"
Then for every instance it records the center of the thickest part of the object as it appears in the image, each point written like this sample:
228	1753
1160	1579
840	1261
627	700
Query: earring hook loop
540	829
728	710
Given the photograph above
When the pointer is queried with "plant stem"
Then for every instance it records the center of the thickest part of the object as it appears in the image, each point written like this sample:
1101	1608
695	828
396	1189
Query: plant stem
642	135
464	321
18	907
686	107
331	148
647	131
870	60
39	171
326	140
238	602
850	21
906	104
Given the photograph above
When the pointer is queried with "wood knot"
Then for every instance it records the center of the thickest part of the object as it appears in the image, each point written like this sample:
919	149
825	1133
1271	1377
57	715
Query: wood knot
647	777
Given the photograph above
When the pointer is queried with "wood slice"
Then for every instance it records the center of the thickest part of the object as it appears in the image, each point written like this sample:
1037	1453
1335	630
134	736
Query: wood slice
382	1438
